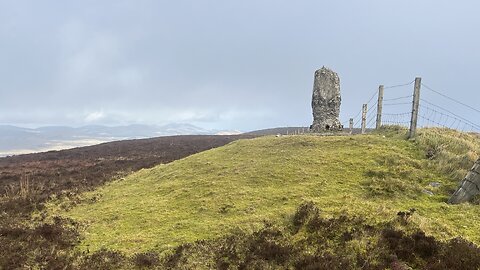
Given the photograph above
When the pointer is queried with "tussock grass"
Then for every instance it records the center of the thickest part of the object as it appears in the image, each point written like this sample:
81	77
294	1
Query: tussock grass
238	186
452	151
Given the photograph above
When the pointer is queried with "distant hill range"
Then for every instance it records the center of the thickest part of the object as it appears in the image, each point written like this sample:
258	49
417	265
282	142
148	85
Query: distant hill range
292	130
279	130
18	140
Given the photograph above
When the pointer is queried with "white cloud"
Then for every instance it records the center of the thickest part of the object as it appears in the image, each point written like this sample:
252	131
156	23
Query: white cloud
94	116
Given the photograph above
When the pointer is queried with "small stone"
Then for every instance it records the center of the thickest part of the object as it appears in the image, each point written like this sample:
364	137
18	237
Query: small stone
435	184
428	192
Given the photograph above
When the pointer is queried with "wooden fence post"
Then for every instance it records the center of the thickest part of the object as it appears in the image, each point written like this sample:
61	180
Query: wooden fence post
379	107
364	118
415	105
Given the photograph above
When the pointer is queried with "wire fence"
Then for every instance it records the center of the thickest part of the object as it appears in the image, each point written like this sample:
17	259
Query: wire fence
394	116
398	109
371	108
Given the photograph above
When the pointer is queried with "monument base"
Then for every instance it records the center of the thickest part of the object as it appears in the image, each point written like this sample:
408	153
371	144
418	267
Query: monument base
323	127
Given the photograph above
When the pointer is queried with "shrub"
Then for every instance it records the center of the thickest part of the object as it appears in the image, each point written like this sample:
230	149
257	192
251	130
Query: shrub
303	213
104	259
146	260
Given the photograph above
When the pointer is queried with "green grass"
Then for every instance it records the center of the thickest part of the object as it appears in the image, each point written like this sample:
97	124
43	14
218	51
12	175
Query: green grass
453	152
240	185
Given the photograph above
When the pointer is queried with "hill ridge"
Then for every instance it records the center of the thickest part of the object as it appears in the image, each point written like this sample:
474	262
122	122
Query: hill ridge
241	184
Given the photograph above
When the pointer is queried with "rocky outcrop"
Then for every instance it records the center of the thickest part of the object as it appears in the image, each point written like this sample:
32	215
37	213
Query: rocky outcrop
326	101
469	187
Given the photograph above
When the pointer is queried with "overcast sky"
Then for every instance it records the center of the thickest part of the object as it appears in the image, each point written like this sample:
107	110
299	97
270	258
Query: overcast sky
225	64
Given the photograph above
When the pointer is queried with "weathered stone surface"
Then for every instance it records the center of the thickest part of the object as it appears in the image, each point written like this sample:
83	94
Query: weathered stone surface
428	192
469	187
435	184
326	101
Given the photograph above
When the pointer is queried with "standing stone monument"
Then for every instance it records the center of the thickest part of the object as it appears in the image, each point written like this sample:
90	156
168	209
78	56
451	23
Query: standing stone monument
326	101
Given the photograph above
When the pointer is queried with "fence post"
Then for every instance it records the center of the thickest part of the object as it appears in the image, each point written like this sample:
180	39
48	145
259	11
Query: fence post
364	118
379	107
351	125
415	105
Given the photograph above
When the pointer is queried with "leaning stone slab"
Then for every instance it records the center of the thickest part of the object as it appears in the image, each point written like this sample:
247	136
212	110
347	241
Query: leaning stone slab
469	187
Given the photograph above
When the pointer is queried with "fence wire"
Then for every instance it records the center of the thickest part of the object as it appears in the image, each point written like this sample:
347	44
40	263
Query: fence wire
450	98
371	119
431	117
396	119
397	110
399	85
398	98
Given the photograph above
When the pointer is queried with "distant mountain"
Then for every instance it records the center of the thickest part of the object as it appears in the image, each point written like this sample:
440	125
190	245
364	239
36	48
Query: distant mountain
293	130
279	130
18	140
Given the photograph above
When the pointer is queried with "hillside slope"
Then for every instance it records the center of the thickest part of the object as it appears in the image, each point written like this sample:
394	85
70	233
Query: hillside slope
241	185
28	181
85	168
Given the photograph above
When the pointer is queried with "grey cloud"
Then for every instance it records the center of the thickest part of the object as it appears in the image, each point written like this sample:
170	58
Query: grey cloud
222	64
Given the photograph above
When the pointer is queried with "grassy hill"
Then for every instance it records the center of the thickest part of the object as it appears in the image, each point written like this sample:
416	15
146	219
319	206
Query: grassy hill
242	185
28	181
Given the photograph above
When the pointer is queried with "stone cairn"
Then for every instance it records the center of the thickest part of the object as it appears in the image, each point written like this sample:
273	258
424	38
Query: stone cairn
469	187
326	101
